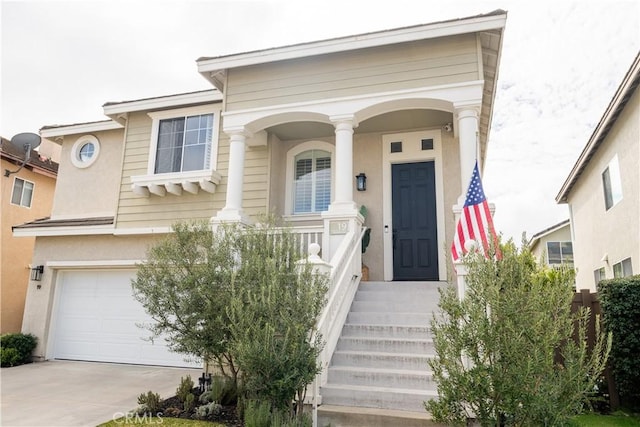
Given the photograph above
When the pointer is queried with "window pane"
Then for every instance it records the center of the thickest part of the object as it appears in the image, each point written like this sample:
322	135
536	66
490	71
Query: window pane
27	194
606	184
193	157
303	186
323	184
617	270
627	269
616	182
553	253
168	160
599	275
567	252
16	196
612	183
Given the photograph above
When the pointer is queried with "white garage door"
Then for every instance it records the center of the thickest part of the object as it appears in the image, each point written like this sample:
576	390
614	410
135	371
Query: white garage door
98	319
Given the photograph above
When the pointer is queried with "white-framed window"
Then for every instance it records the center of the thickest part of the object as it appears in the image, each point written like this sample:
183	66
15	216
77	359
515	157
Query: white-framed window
85	151
22	193
612	184
599	275
623	268
559	253
183	140
309	178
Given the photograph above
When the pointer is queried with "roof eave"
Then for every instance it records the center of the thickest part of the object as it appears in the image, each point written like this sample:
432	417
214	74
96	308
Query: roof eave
611	114
116	109
81	128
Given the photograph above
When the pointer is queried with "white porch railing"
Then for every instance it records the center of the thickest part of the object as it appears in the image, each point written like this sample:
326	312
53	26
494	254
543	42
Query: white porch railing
345	270
307	235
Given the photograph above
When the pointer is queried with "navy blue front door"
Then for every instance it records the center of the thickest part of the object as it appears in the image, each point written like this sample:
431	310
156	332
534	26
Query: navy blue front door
415	236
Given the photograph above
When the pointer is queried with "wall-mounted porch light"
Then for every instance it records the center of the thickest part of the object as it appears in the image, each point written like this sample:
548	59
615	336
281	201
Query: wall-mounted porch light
361	180
36	273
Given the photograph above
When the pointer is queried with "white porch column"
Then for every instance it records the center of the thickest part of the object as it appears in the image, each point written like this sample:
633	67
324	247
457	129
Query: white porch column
468	138
343	200
232	211
342	216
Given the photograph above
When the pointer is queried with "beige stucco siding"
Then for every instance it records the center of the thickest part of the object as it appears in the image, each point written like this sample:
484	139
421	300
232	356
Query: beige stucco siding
388	68
17	251
135	211
90	191
72	250
615	232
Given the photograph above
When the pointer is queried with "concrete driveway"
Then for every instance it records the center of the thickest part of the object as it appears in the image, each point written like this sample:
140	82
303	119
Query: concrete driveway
65	393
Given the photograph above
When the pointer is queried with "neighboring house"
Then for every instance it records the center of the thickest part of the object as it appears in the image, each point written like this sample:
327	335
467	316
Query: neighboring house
553	246
26	195
284	130
603	191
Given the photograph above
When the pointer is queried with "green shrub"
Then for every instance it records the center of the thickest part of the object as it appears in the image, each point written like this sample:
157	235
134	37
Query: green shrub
223	390
260	414
24	344
620	302
257	414
212	408
185	388
10	356
150	402
189	402
495	349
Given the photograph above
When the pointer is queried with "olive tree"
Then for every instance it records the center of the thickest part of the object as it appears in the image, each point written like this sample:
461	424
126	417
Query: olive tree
241	296
185	286
511	352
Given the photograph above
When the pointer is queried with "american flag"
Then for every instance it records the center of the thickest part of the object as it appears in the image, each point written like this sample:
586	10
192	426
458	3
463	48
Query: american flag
475	223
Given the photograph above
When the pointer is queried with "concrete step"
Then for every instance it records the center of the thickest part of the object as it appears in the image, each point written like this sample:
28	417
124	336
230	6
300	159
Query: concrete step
389	305
383	331
376	397
350	416
401	286
386	318
376	377
388	345
381	360
424	294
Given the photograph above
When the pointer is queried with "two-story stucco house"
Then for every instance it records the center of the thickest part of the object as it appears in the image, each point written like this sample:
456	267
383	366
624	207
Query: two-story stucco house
27	194
603	191
285	130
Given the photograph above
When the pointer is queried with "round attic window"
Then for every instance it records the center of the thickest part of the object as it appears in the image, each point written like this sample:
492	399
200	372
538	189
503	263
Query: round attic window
85	151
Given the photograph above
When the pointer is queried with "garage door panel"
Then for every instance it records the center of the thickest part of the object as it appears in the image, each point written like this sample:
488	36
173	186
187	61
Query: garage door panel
98	319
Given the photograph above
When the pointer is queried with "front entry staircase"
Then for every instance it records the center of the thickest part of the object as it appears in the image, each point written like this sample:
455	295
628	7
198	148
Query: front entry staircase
379	372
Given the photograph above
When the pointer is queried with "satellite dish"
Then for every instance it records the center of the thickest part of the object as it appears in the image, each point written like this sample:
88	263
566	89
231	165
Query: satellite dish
26	141
23	139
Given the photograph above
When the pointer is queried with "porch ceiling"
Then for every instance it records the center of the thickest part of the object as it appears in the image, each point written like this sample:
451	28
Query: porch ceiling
389	122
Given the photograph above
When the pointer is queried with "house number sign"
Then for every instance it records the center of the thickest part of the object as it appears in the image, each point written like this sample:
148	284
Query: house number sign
338	227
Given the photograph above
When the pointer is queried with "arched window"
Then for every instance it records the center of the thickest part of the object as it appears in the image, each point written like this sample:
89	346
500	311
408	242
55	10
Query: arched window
309	178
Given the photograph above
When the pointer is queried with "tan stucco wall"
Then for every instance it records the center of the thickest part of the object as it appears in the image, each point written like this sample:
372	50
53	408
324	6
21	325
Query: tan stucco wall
615	232
72	249
16	252
91	191
367	155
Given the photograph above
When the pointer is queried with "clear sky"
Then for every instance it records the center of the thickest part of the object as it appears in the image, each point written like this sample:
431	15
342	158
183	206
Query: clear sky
561	64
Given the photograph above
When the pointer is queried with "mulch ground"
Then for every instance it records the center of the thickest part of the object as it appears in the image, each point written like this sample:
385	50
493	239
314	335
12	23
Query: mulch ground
228	416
